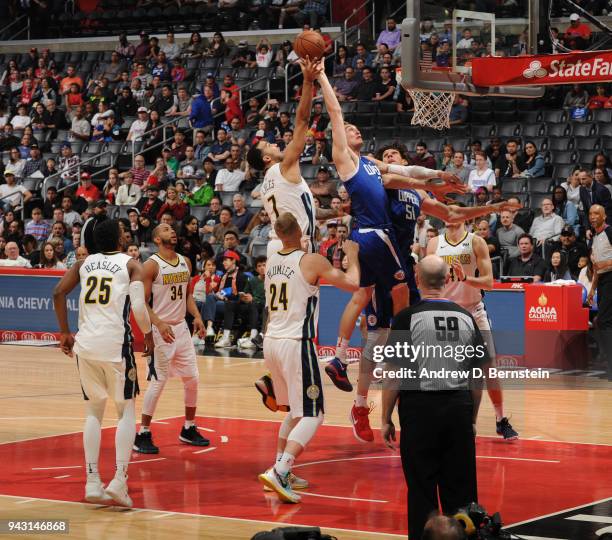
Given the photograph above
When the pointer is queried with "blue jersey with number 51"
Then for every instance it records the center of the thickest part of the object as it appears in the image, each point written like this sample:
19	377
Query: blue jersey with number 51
405	208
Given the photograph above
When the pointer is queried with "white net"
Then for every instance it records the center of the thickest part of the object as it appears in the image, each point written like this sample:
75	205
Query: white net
432	109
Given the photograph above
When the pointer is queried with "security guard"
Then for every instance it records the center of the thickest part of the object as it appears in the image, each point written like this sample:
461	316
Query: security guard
432	357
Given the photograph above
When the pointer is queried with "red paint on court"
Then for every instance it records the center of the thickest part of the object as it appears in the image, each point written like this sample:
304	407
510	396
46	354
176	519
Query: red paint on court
366	479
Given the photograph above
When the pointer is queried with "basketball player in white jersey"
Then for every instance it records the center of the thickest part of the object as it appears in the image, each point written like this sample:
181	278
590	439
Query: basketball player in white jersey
166	283
110	282
467	256
292	299
283	188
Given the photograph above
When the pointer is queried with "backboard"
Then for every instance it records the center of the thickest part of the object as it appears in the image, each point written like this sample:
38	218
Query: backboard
507	30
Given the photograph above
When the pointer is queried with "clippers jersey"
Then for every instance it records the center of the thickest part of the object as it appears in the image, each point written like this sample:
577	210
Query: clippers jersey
169	292
460	293
104	308
292	302
279	195
369	202
405	208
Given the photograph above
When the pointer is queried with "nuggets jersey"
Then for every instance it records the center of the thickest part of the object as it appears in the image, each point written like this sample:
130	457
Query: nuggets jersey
292	302
460	293
369	202
405	208
169	291
104	308
279	195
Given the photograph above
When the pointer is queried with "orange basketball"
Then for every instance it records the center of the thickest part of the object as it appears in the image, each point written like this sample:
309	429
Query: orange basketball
309	43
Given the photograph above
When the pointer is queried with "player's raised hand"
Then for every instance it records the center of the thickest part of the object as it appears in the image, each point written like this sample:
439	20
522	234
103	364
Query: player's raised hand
66	344
166	332
311	69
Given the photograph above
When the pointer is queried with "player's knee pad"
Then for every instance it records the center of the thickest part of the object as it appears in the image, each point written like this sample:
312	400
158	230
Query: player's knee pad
376	337
151	397
305	429
191	391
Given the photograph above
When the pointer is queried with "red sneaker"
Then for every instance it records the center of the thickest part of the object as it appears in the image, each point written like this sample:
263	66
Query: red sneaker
361	424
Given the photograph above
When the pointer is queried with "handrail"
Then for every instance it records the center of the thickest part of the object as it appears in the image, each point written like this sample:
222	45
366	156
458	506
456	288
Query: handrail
5	28
355	10
19	32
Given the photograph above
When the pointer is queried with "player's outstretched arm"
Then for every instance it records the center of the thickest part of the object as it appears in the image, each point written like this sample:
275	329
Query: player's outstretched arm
459	214
316	267
137	297
65	286
343	157
291	157
437	186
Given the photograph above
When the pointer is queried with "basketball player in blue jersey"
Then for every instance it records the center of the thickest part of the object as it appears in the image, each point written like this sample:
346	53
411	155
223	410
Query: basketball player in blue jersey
379	255
405	206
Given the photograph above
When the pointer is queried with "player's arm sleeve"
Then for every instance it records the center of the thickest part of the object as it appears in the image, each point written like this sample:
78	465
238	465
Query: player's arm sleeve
413	171
139	306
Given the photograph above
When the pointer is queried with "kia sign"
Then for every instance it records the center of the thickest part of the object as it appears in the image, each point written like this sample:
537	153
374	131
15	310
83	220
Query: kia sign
576	67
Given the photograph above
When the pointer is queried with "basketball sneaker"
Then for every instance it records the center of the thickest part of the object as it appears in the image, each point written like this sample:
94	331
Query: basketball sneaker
505	429
361	423
143	443
210	332
337	373
94	492
280	484
192	436
117	490
246	343
294	481
258	340
264	387
224	343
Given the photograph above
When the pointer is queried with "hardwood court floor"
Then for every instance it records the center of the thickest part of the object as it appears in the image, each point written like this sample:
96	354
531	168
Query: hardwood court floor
357	488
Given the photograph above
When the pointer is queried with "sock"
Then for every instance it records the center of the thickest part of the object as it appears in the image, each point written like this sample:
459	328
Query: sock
226	334
92	434
210	324
361	401
341	347
279	455
189	423
124	436
499	412
92	470
254	333
284	464
143	429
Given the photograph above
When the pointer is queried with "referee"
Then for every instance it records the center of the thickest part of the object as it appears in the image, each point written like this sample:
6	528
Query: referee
601	256
437	407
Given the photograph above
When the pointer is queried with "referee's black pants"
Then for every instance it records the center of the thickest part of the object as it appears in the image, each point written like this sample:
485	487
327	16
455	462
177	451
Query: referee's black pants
604	317
438	453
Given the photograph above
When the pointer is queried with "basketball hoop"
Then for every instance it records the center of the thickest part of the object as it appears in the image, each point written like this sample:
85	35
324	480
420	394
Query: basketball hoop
432	109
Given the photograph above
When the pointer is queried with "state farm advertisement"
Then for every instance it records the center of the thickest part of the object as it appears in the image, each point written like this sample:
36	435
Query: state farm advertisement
578	67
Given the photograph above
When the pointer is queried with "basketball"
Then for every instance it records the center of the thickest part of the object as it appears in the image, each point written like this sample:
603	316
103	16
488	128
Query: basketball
309	43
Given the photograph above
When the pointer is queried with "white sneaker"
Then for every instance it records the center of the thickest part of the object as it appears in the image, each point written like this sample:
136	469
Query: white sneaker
295	481
118	491
197	342
246	343
94	492
280	484
210	332
224	343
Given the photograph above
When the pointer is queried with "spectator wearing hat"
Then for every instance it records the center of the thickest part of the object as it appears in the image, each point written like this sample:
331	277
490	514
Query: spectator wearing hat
35	163
572	249
323	187
87	189
139	126
128	193
232	284
87	232
577	35
151	204
230	177
107	129
225	224
244	57
68	164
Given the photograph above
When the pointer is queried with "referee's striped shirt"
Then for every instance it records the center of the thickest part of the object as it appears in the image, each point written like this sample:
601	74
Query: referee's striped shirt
438	335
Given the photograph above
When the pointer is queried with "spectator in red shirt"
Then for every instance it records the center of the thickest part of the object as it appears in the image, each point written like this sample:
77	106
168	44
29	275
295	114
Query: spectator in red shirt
577	34
139	173
150	205
423	157
330	239
204	288
87	189
231	86
599	100
232	107
174	205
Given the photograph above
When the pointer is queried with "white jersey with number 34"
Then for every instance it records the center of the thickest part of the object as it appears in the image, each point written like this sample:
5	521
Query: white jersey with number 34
279	195
169	291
